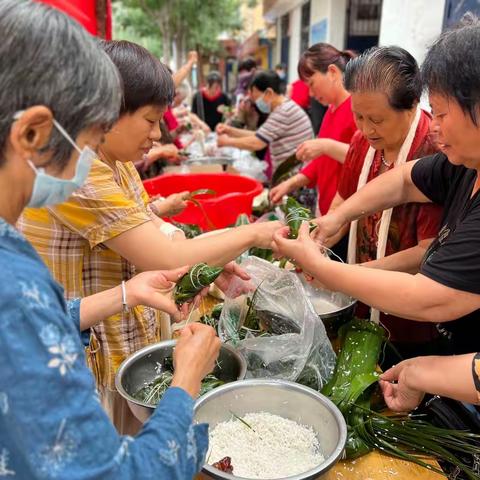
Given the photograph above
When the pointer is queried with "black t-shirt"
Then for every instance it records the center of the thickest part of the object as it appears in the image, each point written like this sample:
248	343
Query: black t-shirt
210	115
453	259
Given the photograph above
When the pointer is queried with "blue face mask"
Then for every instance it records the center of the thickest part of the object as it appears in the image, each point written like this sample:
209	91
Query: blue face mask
262	105
49	190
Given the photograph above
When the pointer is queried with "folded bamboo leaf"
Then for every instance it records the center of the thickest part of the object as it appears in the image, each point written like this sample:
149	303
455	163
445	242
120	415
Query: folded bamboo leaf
194	281
285	169
295	214
201	191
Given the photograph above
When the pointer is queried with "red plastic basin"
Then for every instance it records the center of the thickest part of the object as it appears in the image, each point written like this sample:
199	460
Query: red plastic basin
234	195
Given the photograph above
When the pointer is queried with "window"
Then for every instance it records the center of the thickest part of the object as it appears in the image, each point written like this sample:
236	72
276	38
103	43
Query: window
305	27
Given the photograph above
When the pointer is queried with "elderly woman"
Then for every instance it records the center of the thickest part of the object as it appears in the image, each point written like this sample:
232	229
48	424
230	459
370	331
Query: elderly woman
446	291
108	229
385	86
51	423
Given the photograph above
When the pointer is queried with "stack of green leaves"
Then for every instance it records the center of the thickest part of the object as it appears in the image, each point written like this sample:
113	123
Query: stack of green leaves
406	437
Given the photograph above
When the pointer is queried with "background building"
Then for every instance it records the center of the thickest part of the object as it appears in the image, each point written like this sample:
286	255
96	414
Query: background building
359	24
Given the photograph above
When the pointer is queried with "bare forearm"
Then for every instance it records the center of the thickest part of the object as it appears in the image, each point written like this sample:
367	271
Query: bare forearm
408	260
181	74
239	132
396	293
336	150
390	189
98	307
250	142
448	376
149	249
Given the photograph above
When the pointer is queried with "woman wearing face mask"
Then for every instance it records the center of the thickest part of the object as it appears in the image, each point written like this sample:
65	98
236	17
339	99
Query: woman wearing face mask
385	89
286	127
322	67
51	422
107	230
446	291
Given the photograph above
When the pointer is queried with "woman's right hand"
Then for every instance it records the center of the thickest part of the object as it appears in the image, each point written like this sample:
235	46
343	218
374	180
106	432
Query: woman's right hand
277	193
328	226
264	232
222	129
194	357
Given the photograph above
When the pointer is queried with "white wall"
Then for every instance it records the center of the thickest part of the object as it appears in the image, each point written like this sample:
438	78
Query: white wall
411	24
336	30
294	48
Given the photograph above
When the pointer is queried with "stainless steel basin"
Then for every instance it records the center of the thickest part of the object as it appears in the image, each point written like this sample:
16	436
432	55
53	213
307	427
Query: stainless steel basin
140	368
286	399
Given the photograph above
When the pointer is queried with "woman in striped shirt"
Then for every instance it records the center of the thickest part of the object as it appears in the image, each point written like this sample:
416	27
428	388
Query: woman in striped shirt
286	127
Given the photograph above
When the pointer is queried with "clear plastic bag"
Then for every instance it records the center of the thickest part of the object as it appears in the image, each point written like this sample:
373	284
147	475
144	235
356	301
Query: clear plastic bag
281	345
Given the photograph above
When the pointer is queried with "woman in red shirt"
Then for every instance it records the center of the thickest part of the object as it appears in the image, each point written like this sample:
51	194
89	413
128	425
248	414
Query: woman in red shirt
321	67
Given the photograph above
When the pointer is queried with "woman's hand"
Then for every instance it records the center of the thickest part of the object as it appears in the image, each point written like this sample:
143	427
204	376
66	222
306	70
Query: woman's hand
327	227
301	251
400	396
194	357
223	140
232	271
222	129
175	203
192	57
277	193
310	149
264	232
169	152
154	289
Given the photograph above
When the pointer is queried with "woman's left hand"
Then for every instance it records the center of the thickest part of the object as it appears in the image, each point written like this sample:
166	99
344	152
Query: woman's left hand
301	250
400	396
310	149
232	271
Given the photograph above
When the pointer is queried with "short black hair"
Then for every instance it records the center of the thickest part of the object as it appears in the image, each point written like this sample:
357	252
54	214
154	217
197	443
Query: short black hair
280	66
389	70
214	77
267	79
248	65
452	65
146	80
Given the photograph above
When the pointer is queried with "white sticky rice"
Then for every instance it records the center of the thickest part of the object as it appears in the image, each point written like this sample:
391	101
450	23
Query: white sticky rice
274	447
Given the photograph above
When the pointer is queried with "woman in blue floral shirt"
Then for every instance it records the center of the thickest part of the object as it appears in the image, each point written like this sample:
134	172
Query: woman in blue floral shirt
53	76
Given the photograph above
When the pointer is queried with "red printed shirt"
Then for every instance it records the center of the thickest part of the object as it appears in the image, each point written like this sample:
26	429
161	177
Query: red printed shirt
324	171
410	223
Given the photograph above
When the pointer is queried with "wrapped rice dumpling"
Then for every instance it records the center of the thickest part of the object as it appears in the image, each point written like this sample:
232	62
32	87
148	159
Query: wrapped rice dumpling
295	214
194	281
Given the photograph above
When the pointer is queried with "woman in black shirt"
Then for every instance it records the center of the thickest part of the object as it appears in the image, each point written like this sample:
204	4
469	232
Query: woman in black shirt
205	103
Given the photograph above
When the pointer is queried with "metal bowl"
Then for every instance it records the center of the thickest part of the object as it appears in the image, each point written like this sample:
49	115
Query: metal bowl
279	397
141	367
334	308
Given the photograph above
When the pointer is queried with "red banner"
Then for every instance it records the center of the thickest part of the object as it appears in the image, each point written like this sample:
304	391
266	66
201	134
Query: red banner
85	12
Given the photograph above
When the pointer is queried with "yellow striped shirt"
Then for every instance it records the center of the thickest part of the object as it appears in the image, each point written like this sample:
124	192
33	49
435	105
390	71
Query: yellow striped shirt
70	239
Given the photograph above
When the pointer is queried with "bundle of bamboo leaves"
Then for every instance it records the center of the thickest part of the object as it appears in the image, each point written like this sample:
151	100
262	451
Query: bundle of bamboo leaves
407	437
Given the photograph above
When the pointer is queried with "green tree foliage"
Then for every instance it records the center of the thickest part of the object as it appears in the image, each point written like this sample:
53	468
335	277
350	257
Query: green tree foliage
177	24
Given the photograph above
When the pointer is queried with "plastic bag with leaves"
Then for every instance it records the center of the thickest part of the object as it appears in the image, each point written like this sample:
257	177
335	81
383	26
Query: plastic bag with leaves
274	326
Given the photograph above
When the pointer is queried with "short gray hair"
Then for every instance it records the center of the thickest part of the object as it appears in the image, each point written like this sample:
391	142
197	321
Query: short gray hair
48	59
389	70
